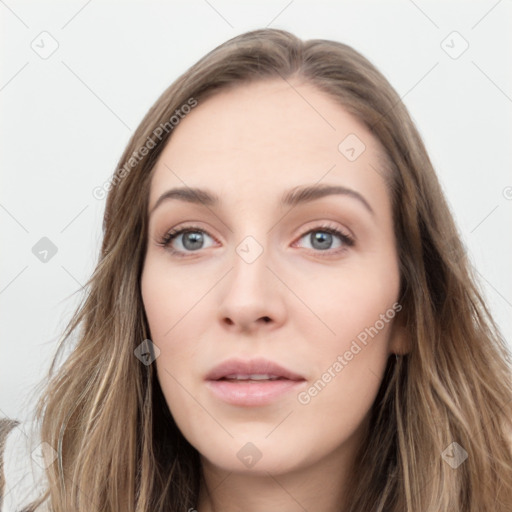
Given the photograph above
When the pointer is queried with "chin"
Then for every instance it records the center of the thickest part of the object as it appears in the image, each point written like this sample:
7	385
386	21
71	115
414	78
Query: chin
257	457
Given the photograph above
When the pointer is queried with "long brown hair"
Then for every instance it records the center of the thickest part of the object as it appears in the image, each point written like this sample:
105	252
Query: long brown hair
104	412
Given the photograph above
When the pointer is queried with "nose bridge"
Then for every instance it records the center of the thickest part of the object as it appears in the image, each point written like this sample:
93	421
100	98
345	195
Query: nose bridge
251	293
253	249
250	273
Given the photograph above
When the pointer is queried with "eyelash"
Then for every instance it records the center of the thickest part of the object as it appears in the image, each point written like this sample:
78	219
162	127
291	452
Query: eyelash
347	240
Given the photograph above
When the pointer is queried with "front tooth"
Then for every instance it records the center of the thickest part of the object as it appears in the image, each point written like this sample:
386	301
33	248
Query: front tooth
255	376
263	376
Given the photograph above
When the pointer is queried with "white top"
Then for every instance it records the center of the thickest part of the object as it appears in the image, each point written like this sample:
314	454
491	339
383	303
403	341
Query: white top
23	469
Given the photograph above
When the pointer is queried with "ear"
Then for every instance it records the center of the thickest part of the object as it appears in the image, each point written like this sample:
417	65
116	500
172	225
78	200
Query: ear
399	338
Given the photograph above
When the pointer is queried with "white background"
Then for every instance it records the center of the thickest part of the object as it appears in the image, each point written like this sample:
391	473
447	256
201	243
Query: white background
66	119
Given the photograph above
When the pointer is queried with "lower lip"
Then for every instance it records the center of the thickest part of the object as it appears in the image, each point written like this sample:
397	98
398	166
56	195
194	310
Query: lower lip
252	393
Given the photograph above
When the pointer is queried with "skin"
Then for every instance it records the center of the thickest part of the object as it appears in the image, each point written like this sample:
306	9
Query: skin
249	145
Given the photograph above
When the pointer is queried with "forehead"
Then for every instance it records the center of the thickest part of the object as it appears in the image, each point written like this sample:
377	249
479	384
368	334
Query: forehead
264	136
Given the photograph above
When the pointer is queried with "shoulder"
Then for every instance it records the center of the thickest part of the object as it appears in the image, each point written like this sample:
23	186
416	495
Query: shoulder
20	475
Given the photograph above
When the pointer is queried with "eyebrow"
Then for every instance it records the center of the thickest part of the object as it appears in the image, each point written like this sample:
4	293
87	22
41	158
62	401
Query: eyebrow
294	197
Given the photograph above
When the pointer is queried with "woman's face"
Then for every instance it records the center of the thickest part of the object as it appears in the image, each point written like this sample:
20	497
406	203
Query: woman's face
308	282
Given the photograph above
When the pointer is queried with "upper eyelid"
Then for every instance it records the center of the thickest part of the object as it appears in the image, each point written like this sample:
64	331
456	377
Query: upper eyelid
181	230
177	232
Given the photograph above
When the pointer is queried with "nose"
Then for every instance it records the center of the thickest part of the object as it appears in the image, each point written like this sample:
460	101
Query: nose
252	297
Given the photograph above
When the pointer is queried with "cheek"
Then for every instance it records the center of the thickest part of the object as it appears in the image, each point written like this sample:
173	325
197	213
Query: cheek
167	302
349	365
157	298
167	297
166	305
352	300
353	329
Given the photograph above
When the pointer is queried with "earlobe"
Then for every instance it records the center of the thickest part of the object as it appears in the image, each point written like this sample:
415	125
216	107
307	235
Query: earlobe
400	340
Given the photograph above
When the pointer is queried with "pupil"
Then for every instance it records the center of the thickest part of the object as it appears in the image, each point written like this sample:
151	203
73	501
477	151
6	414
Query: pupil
324	240
193	240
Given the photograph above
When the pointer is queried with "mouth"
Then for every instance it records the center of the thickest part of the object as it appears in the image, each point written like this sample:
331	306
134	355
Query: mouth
252	378
252	369
255	382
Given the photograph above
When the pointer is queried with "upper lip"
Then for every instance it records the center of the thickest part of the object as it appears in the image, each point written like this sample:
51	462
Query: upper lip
251	367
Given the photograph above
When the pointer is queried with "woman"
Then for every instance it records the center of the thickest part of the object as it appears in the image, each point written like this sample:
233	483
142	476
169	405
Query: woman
283	315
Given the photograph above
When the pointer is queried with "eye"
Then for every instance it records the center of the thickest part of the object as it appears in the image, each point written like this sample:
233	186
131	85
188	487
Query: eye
190	239
187	239
328	239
